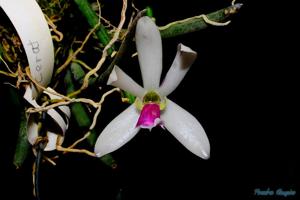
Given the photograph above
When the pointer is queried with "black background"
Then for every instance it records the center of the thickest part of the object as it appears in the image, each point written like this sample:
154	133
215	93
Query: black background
242	90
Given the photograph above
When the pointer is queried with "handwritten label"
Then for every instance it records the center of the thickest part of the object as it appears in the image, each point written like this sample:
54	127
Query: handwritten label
274	192
35	47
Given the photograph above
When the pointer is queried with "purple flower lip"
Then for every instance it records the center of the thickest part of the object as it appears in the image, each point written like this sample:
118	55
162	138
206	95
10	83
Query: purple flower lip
150	116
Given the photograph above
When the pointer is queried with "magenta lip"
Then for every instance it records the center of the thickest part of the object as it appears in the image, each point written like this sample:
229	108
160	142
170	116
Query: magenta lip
150	116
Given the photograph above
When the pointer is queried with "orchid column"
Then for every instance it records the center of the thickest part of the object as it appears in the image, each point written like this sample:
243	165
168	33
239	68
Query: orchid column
152	107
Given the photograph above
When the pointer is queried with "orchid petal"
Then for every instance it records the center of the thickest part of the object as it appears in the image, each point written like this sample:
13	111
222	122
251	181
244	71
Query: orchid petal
120	79
185	57
118	132
149	48
186	129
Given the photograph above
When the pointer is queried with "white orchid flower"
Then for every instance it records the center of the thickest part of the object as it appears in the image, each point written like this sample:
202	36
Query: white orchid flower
152	107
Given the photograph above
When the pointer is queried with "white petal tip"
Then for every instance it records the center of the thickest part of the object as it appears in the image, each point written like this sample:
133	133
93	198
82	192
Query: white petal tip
205	155
186	49
188	56
99	155
112	77
186	129
99	152
145	21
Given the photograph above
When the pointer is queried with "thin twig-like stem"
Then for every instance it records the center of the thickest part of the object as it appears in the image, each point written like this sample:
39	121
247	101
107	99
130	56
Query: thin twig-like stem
198	23
39	146
105	51
60	148
173	29
122	49
93	19
73	55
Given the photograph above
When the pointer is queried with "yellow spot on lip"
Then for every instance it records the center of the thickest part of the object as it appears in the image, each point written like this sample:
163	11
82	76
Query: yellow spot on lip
150	97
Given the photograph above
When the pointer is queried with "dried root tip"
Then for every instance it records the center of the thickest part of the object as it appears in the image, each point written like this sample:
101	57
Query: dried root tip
233	9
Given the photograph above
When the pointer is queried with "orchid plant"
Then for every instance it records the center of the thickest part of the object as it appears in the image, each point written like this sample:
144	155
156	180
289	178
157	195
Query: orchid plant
47	72
152	107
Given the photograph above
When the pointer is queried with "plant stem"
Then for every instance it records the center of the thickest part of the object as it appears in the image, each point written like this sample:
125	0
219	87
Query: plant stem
173	29
39	146
197	23
1	50
128	38
23	146
93	20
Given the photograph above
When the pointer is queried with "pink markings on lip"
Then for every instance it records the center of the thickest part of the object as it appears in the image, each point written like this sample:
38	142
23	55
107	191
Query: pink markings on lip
150	116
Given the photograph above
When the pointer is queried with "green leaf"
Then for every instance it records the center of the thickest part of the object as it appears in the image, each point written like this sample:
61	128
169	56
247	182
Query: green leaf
23	146
149	11
128	96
